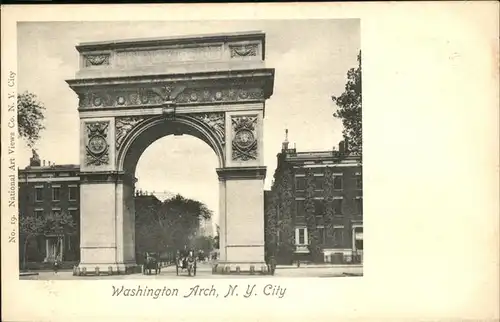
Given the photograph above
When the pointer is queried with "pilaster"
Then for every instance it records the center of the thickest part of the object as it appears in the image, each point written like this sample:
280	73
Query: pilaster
242	220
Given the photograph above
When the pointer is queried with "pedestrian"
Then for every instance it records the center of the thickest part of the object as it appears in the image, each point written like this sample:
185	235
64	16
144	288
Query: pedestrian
56	266
272	264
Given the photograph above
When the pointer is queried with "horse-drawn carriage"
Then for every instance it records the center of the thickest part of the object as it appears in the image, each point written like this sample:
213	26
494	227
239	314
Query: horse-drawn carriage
186	262
151	262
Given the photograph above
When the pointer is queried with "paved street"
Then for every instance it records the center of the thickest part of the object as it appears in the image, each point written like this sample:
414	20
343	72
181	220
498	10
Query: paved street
204	271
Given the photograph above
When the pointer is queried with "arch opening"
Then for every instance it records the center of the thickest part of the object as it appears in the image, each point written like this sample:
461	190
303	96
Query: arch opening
172	166
150	130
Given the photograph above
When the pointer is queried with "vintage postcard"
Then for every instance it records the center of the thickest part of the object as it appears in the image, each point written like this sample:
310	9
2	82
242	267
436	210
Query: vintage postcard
173	162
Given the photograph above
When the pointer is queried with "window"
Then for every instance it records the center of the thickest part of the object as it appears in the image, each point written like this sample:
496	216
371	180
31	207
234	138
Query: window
358	236
38	213
319	206
56	211
56	193
359	205
359	182
72	193
301	236
319	182
338	236
321	235
300	183
359	244
337	182
300	208
337	206
73	213
38	194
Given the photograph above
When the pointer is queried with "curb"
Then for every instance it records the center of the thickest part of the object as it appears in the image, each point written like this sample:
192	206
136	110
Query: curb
28	274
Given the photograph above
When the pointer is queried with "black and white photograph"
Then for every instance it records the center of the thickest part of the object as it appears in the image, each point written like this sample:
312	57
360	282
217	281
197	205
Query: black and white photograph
220	162
190	149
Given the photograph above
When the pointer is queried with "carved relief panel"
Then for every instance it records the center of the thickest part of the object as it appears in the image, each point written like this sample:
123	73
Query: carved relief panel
123	126
214	121
168	93
97	143
244	138
96	60
244	50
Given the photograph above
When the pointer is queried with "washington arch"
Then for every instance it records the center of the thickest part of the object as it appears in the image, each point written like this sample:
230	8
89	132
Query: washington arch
133	92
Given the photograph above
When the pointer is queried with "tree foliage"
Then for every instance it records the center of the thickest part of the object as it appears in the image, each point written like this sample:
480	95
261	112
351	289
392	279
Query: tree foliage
279	218
217	237
30	117
204	243
171	225
349	108
310	208
60	223
285	223
55	223
328	194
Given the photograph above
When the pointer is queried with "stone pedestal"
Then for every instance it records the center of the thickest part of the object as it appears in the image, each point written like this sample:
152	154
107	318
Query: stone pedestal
107	222
241	220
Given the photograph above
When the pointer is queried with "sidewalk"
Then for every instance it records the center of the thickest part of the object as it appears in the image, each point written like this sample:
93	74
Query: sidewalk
319	266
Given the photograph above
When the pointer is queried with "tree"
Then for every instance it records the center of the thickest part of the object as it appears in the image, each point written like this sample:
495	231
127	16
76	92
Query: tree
285	217
204	243
30	117
349	108
217	237
29	227
170	225
271	225
59	224
328	193
310	209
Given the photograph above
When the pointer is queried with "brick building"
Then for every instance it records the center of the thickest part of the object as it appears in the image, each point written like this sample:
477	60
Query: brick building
314	211
46	188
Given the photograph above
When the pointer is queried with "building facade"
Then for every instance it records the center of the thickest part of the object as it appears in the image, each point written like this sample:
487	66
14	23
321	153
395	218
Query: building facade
47	190
314	211
206	227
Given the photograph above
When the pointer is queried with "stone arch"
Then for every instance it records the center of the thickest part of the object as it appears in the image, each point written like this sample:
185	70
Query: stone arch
148	130
133	92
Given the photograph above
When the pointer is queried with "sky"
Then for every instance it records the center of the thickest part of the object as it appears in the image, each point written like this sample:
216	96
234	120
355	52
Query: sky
310	57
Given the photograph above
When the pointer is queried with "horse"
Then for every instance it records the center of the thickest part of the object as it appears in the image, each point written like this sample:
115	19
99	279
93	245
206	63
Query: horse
190	263
151	263
187	263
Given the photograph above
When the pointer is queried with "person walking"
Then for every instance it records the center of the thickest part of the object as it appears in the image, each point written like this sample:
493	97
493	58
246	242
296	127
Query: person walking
56	265
272	264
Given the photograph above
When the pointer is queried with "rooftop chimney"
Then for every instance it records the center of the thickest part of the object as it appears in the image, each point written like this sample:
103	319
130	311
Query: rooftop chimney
341	147
35	159
44	163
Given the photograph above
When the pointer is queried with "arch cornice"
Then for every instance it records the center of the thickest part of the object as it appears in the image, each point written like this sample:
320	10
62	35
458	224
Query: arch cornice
143	131
230	87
